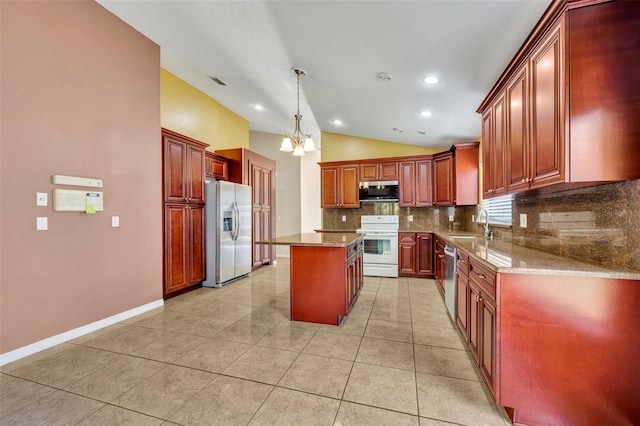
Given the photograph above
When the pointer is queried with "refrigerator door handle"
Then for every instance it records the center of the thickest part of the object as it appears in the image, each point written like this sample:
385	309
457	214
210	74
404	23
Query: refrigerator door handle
236	221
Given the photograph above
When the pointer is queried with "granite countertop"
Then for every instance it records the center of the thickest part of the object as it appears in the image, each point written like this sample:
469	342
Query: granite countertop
504	256
338	231
325	239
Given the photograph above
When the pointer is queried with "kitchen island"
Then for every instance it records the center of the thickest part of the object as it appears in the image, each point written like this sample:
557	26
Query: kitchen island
326	274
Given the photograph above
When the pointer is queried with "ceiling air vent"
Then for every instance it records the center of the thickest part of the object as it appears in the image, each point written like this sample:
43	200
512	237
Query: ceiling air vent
217	80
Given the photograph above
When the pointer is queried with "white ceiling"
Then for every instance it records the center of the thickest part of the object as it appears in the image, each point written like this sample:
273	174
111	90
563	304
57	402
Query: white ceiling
252	46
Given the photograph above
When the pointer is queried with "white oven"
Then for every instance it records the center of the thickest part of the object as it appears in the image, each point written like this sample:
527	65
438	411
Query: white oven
380	245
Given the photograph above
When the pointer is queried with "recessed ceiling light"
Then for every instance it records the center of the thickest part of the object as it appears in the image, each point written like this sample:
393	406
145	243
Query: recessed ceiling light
259	107
425	113
422	132
384	76
431	80
336	122
398	129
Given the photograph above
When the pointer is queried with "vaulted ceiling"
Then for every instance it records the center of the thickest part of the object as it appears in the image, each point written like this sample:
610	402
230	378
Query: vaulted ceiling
253	45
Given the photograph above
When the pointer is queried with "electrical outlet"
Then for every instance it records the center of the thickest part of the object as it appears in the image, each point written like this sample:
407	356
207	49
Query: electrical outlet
344	218
410	218
115	221
523	220
450	218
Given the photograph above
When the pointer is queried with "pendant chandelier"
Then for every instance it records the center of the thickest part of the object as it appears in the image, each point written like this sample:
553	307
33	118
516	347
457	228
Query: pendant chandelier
298	142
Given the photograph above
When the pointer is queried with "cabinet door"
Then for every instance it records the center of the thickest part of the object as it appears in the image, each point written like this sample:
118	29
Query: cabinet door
265	223
487	142
175	173
388	171
423	183
462	303
368	172
407	184
407	253
497	170
266	188
329	187
474	317
443	181
175	247
257	186
349	188
196	237
256	215
487	349
547	112
195	173
424	254
517	140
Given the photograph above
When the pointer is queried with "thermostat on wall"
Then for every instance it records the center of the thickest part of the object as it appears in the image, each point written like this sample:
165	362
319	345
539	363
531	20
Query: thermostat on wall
71	200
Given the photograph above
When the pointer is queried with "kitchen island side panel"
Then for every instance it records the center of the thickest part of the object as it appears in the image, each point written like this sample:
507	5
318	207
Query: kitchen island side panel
569	349
318	284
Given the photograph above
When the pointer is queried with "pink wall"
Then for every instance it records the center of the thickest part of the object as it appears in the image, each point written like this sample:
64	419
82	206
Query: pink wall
80	97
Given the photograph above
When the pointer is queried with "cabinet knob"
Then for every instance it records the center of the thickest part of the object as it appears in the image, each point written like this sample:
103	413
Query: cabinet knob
523	180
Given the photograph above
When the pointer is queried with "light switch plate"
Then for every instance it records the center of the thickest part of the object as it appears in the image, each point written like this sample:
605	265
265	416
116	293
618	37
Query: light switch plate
115	221
450	218
410	218
42	223
41	198
523	220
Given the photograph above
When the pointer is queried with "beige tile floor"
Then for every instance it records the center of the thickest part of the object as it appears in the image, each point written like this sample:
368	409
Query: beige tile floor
231	356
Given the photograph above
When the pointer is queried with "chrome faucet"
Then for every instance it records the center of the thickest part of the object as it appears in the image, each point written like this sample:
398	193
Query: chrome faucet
487	231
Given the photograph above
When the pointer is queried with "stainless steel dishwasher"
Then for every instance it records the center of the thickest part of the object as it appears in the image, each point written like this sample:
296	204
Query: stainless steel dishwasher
450	280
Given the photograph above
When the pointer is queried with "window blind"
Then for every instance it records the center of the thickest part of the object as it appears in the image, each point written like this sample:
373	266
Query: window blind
499	210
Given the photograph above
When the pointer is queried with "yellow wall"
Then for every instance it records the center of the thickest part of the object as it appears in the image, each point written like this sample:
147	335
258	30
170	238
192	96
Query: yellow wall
336	147
186	110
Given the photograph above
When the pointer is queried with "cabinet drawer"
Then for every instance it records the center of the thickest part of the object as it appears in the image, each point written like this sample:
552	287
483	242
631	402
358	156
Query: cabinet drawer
484	276
462	262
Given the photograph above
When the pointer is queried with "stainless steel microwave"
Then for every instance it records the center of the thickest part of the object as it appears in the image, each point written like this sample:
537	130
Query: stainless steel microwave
381	191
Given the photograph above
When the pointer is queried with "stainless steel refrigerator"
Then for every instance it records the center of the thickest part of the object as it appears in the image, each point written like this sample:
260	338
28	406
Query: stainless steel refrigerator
228	234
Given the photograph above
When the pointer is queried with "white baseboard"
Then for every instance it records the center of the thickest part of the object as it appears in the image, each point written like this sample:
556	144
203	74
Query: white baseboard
75	333
285	256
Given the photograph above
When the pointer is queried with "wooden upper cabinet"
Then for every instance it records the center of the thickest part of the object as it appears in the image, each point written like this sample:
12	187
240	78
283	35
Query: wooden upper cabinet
339	186
455	175
517	136
217	166
415	183
407	184
184	168
378	171
443	180
562	129
547	138
493	150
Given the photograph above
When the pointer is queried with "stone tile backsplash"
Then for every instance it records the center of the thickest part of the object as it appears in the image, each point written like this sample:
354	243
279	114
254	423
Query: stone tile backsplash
599	224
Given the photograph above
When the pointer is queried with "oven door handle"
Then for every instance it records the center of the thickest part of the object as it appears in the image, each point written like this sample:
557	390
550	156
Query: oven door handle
381	234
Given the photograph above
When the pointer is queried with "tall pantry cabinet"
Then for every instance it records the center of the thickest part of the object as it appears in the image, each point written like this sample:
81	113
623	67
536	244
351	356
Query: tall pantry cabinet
259	172
184	219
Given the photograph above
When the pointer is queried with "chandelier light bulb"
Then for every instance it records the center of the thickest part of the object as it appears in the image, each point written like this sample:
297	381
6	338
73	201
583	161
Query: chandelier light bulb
298	151
286	146
309	146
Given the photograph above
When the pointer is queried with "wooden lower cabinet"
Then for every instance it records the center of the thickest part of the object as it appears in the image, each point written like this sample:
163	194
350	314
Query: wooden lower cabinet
325	282
184	242
415	254
547	345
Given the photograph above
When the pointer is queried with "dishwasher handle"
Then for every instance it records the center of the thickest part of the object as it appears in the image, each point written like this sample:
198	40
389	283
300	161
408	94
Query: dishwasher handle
450	251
